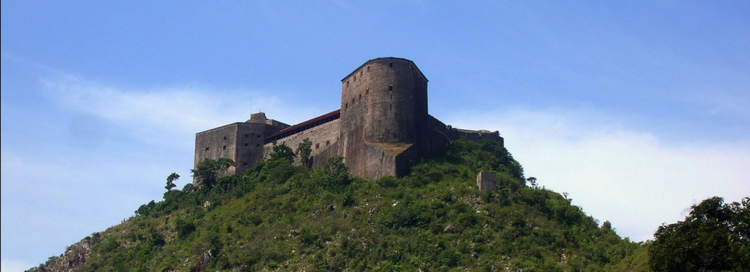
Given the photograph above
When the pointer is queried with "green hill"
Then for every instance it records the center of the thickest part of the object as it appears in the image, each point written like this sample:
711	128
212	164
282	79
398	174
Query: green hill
277	216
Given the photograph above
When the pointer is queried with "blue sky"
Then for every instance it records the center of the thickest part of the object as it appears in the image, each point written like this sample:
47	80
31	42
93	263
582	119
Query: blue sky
637	109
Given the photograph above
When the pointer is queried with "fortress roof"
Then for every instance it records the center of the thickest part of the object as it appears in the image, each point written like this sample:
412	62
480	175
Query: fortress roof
314	122
384	58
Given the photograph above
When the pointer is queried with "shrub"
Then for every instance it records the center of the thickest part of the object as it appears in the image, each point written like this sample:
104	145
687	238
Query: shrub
184	227
387	182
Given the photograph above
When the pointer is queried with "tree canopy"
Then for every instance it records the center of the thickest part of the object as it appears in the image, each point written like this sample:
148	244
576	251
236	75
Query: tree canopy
208	171
170	181
714	237
303	151
282	151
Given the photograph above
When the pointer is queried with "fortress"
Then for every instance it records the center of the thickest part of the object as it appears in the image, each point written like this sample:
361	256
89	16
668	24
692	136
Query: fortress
382	127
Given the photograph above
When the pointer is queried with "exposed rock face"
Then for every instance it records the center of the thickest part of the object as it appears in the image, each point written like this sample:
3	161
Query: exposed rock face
73	258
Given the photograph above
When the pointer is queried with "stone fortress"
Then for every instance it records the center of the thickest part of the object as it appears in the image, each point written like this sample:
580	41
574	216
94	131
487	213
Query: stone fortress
382	127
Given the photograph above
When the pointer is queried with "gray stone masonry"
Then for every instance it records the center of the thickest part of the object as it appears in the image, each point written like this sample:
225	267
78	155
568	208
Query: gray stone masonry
382	127
486	181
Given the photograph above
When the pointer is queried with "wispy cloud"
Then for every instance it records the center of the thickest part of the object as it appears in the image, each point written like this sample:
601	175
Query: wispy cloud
634	179
161	114
150	134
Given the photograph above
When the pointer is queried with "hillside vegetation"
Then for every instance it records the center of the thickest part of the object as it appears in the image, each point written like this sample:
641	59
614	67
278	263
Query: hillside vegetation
278	216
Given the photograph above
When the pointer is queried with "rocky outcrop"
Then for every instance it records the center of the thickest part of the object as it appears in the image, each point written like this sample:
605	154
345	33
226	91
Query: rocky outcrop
73	258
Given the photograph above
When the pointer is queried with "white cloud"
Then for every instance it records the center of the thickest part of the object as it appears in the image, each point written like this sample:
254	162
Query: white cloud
634	179
159	115
13	266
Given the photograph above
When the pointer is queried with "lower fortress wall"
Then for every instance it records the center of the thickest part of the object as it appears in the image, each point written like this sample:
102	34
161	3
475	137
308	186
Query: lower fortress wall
323	137
385	159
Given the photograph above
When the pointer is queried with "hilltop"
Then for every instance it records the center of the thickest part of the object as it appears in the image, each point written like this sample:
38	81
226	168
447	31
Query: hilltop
278	216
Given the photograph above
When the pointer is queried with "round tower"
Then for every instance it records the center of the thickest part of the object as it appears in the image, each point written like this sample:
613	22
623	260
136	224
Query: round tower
385	100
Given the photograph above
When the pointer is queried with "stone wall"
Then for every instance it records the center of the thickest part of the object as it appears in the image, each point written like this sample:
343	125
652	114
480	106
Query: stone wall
250	138
386	159
476	135
487	181
240	142
322	137
220	142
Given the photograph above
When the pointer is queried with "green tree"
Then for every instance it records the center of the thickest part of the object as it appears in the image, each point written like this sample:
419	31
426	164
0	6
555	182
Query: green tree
170	181
337	174
282	151
713	237
303	151
335	166
208	171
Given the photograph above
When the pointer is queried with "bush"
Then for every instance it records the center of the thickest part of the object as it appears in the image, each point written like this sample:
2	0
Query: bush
145	209
282	151
387	182
184	227
404	216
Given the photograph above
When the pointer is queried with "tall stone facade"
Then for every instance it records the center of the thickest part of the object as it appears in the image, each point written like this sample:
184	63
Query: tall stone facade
382	127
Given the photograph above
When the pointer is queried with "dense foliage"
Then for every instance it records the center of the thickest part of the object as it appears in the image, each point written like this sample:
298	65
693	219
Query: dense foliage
208	171
278	216
714	237
304	149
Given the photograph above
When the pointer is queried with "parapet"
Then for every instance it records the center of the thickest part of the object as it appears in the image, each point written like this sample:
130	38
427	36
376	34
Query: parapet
260	118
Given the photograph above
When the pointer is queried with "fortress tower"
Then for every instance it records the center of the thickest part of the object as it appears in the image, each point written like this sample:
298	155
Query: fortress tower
383	116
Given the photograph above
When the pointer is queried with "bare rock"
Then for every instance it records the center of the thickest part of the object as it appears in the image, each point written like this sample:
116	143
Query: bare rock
449	229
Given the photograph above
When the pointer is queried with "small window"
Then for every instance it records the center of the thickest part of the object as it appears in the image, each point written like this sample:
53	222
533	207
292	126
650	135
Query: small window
206	148
258	136
390	88
346	106
225	138
390	64
360	72
244	164
257	145
245	144
367	91
247	135
368	68
352	100
224	147
360	96
317	145
327	143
